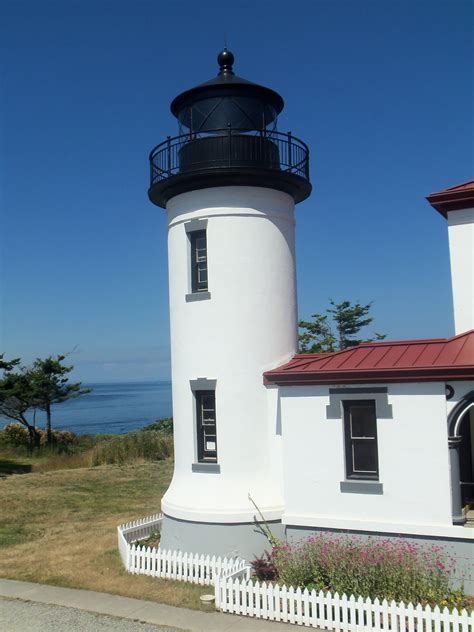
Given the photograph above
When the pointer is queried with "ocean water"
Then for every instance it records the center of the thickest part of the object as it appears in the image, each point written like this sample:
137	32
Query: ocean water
111	408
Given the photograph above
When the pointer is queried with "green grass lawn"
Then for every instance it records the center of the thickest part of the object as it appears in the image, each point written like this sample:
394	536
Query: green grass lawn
59	527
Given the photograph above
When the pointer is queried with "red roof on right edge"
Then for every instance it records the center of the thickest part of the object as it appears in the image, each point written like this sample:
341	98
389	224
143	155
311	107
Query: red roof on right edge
453	199
403	361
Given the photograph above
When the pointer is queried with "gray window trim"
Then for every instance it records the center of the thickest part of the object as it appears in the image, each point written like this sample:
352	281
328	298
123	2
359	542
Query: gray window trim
195	224
192	226
361	487
377	393
203	384
197	296
214	468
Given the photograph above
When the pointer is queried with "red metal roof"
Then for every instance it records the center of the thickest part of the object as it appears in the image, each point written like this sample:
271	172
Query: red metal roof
453	199
402	361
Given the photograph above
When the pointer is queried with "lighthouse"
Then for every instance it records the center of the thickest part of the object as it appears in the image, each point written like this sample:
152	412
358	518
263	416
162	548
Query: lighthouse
229	183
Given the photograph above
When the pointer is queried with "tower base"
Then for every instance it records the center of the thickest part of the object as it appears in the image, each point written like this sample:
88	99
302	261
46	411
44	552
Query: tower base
235	539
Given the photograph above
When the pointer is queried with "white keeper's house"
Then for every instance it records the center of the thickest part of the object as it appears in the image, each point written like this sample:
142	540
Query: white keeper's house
376	440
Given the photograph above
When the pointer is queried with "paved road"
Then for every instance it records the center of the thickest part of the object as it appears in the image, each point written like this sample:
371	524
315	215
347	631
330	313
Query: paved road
26	616
67	609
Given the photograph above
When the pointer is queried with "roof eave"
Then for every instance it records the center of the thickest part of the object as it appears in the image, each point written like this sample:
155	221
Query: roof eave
447	201
302	378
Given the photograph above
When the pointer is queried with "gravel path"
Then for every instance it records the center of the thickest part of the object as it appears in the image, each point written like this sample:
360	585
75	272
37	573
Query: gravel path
27	616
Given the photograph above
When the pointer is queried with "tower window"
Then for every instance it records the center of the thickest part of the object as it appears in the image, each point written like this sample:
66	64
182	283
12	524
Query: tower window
198	261
360	430
206	426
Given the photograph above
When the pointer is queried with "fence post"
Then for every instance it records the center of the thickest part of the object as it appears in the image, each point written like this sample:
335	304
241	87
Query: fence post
229	132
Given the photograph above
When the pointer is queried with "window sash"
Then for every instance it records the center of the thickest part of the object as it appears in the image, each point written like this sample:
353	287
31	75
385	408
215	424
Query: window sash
199	261
360	433
206	426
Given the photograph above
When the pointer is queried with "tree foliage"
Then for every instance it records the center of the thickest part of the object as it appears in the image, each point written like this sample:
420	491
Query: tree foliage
336	329
16	398
39	386
50	383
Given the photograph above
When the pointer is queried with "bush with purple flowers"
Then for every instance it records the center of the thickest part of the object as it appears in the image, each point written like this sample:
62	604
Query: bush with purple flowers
388	569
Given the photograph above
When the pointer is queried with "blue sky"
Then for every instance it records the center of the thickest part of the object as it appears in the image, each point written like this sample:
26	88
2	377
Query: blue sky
381	91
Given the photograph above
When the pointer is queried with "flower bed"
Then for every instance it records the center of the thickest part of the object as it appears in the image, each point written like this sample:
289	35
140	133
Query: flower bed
392	569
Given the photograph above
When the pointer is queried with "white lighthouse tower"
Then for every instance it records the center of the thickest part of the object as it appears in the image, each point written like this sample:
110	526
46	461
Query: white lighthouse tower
229	183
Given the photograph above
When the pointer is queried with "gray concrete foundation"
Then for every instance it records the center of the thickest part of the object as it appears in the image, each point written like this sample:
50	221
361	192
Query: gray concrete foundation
461	550
243	539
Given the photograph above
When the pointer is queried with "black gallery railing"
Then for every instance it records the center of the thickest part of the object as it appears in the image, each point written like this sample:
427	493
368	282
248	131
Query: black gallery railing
224	148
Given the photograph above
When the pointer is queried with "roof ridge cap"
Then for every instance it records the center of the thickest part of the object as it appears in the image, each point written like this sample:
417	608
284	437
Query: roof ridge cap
391	343
453	188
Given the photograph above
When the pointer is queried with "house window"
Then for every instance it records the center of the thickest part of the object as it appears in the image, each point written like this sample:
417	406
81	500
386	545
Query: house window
198	261
360	430
206	426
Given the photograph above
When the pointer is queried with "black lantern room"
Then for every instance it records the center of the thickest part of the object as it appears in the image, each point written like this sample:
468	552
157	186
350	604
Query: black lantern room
228	136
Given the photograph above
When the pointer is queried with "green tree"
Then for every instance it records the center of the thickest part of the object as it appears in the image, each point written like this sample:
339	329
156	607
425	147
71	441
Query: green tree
336	330
50	385
17	396
8	365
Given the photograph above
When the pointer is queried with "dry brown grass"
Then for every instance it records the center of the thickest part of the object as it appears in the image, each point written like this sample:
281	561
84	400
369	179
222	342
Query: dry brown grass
59	527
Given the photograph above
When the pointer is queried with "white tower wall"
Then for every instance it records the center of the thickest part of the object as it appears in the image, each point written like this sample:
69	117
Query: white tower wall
248	325
461	249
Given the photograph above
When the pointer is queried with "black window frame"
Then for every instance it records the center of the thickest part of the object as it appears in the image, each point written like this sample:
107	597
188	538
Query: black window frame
350	441
198	262
206	427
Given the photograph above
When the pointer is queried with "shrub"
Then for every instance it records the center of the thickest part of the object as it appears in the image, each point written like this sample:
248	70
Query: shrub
134	446
15	435
161	425
62	440
387	569
153	540
264	568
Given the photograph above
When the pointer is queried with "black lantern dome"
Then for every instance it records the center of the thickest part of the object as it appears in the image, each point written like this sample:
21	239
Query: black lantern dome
227	100
228	136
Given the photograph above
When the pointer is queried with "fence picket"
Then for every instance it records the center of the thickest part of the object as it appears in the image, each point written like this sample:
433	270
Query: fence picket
352	613
445	620
271	602
334	612
393	616
344	613
410	617
299	607
464	621
375	619
277	602
306	611
402	621
284	603
232	597
385	624
291	604
264	601
173	561
148	561
256	599
243	597
250	598
455	620
360	607
314	609
421	616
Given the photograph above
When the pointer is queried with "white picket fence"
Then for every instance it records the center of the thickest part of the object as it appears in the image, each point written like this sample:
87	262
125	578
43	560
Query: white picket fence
157	562
235	593
333	612
137	530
